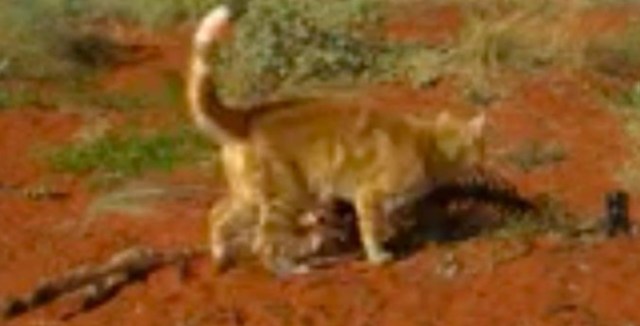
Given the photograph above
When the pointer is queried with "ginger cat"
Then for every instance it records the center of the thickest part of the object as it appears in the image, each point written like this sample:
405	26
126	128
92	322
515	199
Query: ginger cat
278	162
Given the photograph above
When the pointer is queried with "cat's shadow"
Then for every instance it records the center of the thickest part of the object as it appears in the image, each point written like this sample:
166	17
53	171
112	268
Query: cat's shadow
423	221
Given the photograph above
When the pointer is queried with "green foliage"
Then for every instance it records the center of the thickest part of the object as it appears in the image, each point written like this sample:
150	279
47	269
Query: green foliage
511	35
49	38
527	35
56	38
617	55
171	92
19	97
130	154
631	97
30	35
280	45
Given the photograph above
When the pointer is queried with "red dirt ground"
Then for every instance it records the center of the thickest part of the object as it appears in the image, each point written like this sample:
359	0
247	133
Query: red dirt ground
480	281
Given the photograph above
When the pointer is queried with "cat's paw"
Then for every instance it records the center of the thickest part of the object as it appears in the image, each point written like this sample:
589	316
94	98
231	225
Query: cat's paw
379	257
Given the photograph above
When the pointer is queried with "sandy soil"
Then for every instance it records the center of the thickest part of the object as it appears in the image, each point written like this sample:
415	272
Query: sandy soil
478	281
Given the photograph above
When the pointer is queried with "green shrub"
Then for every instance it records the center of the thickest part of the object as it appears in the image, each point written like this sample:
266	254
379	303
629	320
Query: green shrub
30	35
56	38
130	154
512	35
631	97
19	97
280	45
51	39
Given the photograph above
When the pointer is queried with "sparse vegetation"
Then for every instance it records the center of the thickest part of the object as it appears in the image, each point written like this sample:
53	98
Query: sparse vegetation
533	154
631	97
131	154
86	94
168	94
283	46
54	38
629	108
19	97
550	218
616	54
41	39
529	225
511	35
283	42
61	44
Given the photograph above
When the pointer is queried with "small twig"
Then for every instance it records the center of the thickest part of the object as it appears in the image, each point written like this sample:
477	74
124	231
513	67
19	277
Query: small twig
34	193
98	283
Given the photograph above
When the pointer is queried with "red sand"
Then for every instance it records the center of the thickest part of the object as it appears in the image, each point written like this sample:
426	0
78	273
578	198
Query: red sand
474	282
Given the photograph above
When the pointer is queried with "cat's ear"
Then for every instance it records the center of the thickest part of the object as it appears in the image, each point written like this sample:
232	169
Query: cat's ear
443	120
477	125
448	136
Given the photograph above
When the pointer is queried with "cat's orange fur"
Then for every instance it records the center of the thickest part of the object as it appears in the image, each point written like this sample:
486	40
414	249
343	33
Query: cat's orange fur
279	162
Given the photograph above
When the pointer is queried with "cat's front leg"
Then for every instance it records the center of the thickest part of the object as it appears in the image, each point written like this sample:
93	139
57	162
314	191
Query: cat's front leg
370	210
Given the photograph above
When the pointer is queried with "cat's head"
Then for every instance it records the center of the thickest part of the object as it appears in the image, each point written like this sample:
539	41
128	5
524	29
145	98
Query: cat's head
460	142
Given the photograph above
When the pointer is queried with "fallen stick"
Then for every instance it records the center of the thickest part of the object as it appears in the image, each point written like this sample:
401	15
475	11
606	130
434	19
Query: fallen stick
98	283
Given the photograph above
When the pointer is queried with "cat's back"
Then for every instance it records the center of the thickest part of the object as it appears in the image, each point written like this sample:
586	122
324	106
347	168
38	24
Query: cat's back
333	119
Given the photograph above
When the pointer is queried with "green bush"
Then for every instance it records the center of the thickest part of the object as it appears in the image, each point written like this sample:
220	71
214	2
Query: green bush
130	154
19	97
283	45
499	36
31	32
55	38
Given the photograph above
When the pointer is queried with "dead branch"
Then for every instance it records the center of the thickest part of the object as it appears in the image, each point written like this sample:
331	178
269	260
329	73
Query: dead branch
98	283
